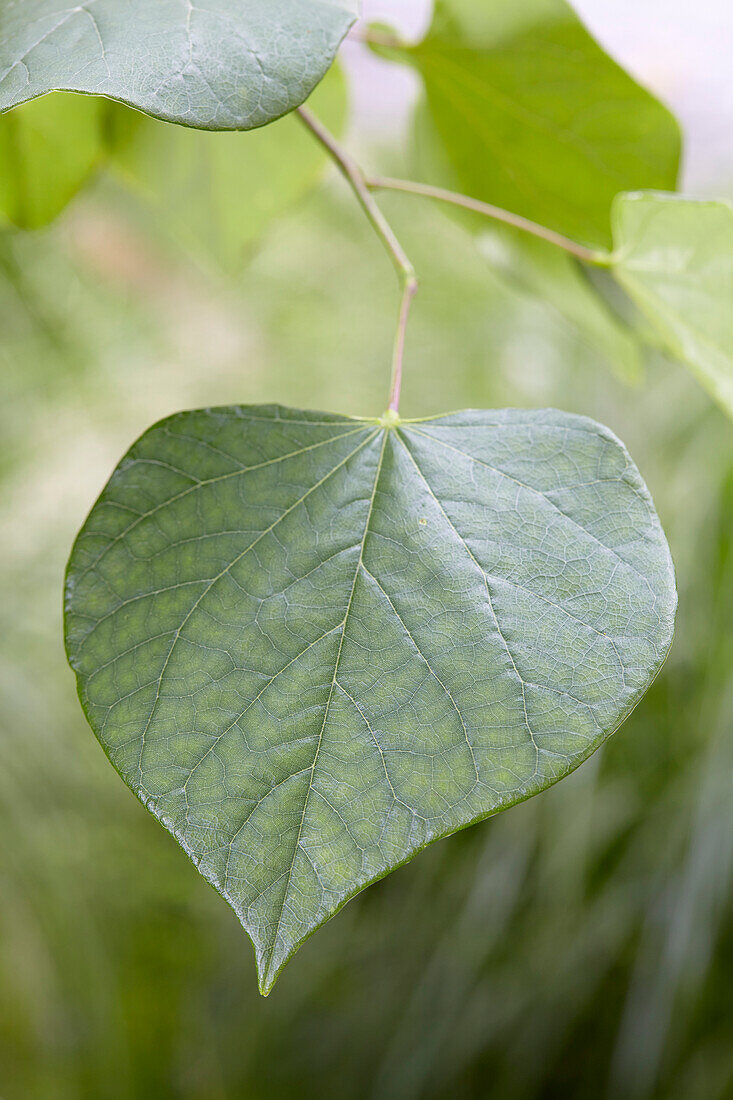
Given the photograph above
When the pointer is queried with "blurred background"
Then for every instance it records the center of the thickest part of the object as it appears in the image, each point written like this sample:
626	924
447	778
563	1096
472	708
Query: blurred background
581	944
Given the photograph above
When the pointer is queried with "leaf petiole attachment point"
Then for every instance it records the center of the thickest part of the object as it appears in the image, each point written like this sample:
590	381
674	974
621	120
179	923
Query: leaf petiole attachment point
391	419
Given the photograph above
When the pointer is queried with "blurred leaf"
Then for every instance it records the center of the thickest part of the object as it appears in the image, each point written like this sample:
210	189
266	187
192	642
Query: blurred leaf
215	192
535	266
560	281
674	257
48	148
536	118
312	645
227	66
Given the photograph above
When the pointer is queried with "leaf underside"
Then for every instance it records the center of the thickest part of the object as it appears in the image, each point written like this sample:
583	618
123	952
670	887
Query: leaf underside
312	646
226	66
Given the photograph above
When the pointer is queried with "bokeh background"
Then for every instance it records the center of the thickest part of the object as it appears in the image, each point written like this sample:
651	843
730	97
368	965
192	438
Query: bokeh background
581	944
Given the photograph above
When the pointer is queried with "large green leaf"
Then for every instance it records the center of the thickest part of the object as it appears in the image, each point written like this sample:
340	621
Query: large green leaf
313	645
215	192
230	65
534	116
47	150
674	257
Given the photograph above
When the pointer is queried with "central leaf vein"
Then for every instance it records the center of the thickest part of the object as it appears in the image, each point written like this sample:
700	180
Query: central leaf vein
306	801
224	572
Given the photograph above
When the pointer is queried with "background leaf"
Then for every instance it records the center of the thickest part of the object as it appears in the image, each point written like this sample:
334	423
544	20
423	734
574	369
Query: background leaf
533	266
216	192
674	256
48	149
227	66
535	117
559	281
312	646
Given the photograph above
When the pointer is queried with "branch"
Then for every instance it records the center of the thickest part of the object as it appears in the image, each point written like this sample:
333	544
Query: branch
587	255
405	271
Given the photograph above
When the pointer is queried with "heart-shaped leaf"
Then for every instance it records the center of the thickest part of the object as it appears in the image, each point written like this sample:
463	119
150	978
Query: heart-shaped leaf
226	66
536	118
674	257
313	645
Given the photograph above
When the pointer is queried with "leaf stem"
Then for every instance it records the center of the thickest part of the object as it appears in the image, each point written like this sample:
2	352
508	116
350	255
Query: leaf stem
587	255
405	271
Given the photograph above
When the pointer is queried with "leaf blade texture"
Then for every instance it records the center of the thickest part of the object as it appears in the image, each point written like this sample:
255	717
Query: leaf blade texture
225	66
312	646
674	257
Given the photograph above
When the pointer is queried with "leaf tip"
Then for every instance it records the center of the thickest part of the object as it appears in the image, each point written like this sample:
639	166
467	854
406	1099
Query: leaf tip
266	979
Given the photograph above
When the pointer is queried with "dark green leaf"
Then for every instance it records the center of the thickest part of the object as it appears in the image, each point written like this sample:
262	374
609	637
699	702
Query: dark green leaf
674	257
313	645
535	118
226	66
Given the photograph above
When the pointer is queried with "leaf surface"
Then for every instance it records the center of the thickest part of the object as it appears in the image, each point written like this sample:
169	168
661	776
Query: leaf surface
226	66
313	645
536	118
674	257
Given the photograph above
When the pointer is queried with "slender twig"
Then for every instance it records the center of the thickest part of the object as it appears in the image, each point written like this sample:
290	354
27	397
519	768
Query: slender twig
408	293
587	255
363	185
405	271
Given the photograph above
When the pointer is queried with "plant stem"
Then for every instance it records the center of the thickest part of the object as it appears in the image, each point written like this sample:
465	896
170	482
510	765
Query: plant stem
587	255
405	271
363	185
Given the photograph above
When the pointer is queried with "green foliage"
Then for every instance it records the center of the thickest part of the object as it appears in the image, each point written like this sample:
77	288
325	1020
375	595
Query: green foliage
48	149
534	117
595	917
313	645
557	279
535	266
215	193
674	257
226	66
